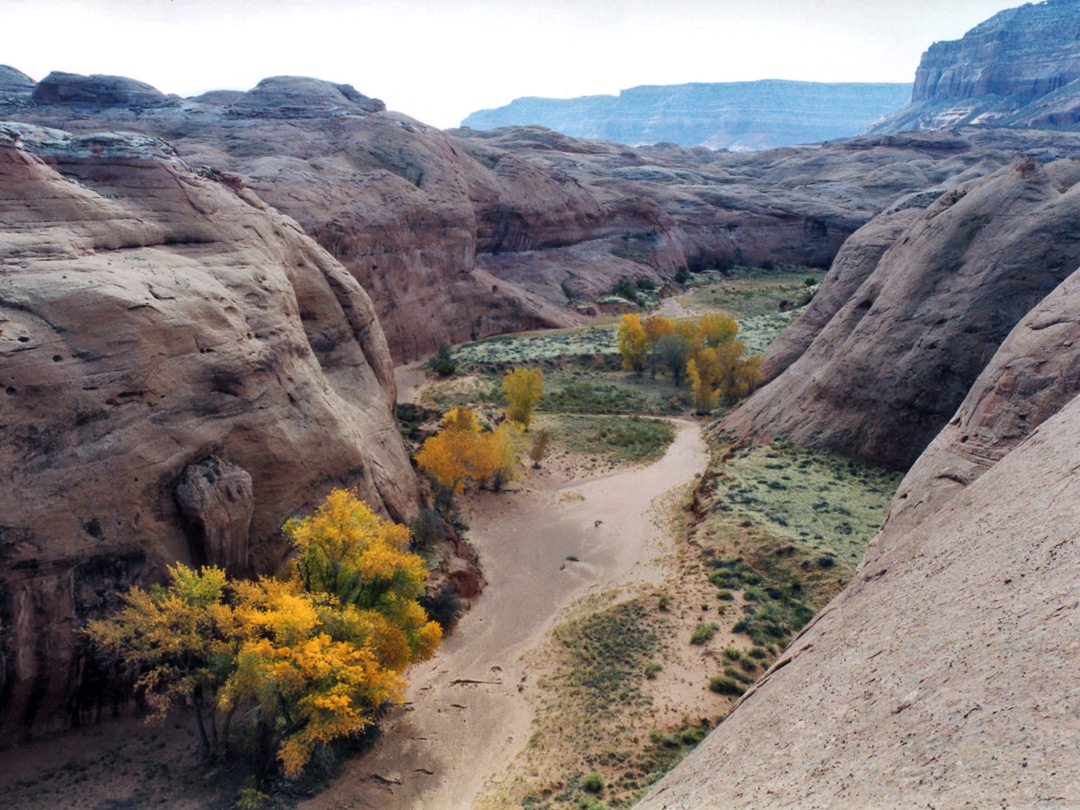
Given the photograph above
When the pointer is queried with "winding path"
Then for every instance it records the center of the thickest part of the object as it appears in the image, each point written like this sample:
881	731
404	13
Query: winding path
468	711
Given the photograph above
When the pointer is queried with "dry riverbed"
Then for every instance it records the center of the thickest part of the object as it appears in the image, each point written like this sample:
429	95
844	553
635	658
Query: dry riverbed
544	546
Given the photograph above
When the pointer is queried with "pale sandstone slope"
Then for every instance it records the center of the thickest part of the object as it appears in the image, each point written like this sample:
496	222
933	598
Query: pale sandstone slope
942	676
181	369
1033	375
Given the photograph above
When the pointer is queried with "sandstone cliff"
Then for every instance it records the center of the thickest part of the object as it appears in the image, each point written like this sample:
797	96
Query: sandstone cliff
737	115
181	368
942	676
1033	375
466	234
1020	68
894	362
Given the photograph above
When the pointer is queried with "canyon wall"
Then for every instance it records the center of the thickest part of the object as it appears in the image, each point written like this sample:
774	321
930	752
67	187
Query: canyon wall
891	366
1020	68
464	234
181	369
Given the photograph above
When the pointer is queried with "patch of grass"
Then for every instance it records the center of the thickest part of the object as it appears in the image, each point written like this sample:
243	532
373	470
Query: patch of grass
619	439
652	669
748	291
606	653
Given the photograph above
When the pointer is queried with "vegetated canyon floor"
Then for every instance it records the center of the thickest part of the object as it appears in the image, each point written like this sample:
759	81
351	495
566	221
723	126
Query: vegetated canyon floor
639	580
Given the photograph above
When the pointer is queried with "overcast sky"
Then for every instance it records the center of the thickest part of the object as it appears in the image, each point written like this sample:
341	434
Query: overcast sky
439	60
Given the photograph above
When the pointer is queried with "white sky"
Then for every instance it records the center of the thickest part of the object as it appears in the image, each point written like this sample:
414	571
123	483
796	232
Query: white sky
439	60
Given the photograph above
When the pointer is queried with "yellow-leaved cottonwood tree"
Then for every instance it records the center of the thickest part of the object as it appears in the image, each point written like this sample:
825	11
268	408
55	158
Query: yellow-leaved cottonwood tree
463	452
523	387
305	658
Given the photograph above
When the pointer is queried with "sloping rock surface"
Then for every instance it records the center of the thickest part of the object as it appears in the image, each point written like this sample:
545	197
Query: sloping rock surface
181	368
15	82
1034	374
109	91
854	264
1019	68
894	363
735	115
943	675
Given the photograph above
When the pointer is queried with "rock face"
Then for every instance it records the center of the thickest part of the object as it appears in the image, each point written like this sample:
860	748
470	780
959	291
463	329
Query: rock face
15	82
1019	68
738	115
181	368
108	91
943	675
892	365
1034	374
854	264
467	234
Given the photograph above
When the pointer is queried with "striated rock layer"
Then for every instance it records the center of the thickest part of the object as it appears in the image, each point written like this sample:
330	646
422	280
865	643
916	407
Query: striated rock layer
1020	68
942	676
721	115
181	368
894	362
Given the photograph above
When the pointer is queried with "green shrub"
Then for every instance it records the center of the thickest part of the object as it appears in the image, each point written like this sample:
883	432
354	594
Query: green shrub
703	633
742	677
759	653
442	362
652	669
593	783
726	686
732	654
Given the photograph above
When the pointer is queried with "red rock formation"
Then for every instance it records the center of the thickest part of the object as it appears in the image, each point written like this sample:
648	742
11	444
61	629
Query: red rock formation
891	367
854	264
465	234
181	369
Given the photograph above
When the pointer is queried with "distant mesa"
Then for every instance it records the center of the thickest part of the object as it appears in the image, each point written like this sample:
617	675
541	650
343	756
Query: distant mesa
1020	68
741	116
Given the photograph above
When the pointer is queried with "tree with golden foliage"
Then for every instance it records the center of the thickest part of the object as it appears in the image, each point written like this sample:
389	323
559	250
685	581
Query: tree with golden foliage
462	452
307	658
523	387
717	328
656	328
633	343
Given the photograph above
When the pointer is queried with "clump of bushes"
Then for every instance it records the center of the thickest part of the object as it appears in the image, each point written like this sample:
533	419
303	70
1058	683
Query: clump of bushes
442	362
703	633
725	685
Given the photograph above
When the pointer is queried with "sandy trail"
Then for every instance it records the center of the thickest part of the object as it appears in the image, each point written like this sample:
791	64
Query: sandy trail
437	752
411	381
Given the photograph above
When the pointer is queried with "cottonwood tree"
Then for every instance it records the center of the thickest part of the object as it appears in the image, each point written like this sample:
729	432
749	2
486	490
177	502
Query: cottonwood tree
523	387
633	343
305	658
